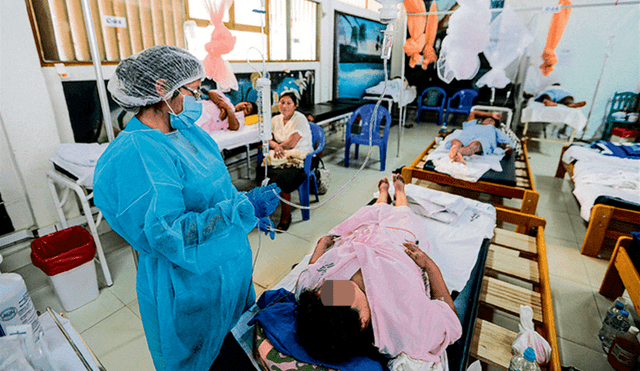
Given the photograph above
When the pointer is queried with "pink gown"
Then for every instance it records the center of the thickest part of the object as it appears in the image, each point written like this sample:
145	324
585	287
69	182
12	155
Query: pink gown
210	121
404	318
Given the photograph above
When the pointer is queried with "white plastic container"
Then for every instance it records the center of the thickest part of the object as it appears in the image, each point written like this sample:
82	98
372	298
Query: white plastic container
76	287
16	307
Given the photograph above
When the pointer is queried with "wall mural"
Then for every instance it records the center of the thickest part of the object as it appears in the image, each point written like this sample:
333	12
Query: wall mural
357	55
301	83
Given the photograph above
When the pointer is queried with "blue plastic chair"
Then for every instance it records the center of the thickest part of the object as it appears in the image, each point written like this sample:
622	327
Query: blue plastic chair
365	113
465	97
319	140
440	96
628	102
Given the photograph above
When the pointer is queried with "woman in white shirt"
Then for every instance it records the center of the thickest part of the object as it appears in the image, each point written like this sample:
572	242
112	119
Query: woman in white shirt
290	145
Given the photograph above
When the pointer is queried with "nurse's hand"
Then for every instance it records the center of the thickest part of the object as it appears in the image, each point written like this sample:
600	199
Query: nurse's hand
264	199
265	224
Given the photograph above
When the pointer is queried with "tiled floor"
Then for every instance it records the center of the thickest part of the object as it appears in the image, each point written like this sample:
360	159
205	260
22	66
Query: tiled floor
111	325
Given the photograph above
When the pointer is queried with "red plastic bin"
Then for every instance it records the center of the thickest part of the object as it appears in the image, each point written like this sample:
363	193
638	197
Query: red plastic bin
625	133
63	250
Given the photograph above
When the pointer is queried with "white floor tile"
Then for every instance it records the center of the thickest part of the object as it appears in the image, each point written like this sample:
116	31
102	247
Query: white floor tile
134	307
123	273
92	313
113	333
133	355
582	358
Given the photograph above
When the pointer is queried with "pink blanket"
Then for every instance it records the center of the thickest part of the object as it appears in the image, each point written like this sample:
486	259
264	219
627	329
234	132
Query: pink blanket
404	318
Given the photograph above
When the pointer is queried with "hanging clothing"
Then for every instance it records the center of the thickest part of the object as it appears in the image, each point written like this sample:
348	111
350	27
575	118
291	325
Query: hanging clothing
170	196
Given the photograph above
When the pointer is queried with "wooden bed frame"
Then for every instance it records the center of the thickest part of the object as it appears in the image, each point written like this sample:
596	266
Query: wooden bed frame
600	227
524	189
521	257
622	274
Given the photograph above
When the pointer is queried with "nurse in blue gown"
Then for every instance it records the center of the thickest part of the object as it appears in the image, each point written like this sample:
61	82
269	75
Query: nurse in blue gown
163	186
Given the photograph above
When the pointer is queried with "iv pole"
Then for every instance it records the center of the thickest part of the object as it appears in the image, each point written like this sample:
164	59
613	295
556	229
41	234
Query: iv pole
95	57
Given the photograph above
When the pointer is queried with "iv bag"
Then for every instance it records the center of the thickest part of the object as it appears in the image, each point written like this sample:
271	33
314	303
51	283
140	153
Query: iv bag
509	39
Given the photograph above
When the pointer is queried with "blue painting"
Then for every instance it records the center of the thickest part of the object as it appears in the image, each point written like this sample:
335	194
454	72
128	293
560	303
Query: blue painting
357	55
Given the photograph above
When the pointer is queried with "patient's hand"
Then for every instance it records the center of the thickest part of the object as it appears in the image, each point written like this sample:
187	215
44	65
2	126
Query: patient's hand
324	244
418	256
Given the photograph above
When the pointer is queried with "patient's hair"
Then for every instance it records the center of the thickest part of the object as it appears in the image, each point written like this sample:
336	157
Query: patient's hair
332	334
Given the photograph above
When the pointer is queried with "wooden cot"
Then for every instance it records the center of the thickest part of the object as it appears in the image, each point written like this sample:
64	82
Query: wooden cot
600	226
622	274
524	189
520	258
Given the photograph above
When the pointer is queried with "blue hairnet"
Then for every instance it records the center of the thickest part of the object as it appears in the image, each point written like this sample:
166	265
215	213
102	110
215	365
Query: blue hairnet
138	78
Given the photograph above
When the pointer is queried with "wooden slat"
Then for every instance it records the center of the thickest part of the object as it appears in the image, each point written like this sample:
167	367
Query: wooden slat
521	172
523	183
492	344
514	240
503	250
513	266
508	297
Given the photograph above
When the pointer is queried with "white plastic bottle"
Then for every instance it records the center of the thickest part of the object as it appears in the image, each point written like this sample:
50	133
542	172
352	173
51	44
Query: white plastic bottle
611	313
16	307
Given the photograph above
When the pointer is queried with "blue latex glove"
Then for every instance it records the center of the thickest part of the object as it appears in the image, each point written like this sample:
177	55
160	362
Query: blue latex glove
266	225
264	200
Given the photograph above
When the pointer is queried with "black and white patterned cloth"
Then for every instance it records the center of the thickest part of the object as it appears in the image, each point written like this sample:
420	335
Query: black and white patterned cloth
517	146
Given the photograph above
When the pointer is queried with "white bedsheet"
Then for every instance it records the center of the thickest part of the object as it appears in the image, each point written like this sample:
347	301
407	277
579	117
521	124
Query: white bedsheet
560	114
227	139
83	173
397	89
596	175
475	168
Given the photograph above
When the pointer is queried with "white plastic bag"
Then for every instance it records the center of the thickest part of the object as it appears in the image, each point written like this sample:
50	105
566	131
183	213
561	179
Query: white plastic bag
528	337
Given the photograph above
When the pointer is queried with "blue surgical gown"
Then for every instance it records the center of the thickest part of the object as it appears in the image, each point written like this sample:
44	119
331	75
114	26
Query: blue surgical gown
171	197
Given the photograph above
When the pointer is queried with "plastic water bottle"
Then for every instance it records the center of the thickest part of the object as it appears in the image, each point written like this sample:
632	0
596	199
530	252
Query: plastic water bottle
524	362
625	350
611	312
615	325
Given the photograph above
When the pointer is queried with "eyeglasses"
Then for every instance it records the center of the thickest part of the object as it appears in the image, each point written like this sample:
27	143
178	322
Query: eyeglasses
196	93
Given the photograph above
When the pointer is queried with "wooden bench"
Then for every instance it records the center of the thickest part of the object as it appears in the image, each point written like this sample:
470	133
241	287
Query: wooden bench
622	274
521	257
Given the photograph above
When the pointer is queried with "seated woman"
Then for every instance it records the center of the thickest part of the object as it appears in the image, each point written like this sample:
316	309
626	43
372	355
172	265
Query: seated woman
290	145
478	136
370	291
218	113
554	95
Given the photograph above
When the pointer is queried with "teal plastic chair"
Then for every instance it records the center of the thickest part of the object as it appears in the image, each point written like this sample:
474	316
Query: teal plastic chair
432	99
365	113
465	98
626	101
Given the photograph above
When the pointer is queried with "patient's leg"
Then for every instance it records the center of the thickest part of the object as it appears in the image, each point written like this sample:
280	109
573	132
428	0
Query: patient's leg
455	147
568	101
383	186
398	184
468	150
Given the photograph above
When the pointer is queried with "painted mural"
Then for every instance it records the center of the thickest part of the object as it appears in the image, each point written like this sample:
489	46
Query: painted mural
357	55
301	83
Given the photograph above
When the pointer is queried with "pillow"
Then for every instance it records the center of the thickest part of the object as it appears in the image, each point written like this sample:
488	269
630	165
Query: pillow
517	146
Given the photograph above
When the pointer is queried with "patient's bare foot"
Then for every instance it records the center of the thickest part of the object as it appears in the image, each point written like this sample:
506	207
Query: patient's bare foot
577	104
383	187
460	159
398	184
455	147
549	103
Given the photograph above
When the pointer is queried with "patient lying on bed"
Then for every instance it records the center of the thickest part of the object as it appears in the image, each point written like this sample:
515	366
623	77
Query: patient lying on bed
554	95
371	289
478	135
218	113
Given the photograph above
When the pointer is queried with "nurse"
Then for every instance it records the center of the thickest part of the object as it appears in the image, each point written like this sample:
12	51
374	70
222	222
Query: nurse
163	186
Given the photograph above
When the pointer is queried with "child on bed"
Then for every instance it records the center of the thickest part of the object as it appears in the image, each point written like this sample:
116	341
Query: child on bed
478	136
218	113
371	290
554	95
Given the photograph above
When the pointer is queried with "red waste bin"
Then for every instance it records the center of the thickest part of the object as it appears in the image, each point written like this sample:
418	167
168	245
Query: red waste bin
66	256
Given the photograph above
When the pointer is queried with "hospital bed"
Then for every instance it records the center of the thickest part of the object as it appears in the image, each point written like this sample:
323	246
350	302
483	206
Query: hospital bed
622	273
245	136
520	257
516	181
610	213
560	114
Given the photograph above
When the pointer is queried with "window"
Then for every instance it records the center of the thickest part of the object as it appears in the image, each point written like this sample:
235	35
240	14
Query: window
366	4
286	31
122	28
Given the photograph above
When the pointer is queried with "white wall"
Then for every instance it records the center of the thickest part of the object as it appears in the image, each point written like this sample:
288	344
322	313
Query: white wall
27	115
582	51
